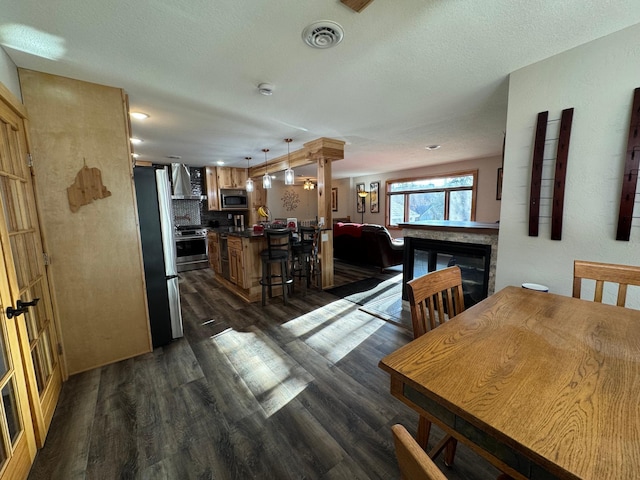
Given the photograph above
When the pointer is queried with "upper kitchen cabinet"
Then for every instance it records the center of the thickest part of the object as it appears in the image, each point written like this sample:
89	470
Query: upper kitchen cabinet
231	177
223	177
213	196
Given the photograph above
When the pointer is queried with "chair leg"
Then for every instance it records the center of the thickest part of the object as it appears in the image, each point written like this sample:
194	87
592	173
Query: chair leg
450	452
285	286
263	282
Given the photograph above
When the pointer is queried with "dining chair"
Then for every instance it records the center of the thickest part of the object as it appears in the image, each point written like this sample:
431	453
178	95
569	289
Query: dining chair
434	298
623	275
414	463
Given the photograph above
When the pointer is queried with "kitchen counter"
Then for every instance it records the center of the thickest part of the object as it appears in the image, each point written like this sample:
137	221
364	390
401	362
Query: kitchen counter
234	254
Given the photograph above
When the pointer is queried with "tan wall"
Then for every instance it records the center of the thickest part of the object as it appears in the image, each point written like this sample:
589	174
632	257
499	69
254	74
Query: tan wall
96	268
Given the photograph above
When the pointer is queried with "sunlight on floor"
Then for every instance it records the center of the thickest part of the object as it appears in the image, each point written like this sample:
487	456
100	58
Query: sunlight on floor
271	374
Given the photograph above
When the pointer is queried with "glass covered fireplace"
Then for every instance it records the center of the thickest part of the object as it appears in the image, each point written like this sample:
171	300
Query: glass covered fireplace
423	255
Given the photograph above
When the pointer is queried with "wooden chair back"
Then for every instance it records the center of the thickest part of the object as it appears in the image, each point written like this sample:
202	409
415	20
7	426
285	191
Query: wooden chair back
414	463
434	298
623	275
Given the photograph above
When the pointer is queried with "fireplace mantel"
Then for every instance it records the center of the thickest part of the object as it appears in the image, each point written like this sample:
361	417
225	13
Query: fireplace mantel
452	226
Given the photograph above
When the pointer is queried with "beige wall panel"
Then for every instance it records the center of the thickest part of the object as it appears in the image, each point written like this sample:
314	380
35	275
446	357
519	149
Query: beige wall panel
96	256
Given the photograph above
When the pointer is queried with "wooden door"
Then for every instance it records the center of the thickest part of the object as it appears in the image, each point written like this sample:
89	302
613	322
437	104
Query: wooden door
24	260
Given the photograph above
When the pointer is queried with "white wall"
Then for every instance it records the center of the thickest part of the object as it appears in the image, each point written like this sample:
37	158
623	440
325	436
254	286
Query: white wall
487	208
9	74
598	80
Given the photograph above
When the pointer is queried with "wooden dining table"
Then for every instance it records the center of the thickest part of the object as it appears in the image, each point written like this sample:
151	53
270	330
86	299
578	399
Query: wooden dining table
542	385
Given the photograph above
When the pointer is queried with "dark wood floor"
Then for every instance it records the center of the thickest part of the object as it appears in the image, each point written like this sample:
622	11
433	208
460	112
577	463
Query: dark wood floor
281	392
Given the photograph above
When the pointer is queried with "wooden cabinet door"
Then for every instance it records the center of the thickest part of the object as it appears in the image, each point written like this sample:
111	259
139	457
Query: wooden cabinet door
240	279
239	177
231	177
214	253
213	199
233	266
234	246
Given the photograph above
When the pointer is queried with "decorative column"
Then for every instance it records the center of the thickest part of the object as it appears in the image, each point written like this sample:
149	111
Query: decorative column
323	151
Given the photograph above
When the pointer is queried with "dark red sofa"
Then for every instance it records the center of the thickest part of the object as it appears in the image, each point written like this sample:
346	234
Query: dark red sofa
367	244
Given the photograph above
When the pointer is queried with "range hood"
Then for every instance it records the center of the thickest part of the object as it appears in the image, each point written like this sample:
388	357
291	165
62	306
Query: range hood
181	181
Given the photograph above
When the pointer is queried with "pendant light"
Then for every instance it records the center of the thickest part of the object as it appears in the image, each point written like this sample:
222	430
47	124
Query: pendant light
249	183
289	176
266	179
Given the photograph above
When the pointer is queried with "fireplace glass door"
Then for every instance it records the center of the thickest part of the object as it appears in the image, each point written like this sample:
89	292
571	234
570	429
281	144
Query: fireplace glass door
423	256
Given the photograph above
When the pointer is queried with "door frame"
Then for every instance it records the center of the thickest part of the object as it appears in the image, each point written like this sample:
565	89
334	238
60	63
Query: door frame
42	416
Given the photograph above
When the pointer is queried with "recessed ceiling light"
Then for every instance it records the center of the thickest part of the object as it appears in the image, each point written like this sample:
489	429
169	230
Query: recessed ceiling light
265	89
135	141
220	162
432	147
139	115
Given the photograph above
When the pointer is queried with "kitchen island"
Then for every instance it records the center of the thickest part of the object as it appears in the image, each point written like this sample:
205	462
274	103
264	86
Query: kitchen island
235	258
234	255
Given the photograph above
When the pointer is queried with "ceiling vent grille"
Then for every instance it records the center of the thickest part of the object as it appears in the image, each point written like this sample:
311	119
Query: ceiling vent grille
323	34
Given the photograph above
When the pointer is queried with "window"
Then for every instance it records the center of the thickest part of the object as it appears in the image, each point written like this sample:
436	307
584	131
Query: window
445	197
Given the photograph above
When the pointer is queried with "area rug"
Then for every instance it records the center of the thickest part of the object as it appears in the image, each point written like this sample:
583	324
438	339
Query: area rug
390	309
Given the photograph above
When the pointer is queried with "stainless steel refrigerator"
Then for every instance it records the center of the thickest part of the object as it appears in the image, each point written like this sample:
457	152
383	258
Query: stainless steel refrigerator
153	193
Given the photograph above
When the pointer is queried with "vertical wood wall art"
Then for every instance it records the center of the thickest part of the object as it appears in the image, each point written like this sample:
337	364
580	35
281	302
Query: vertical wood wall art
562	158
536	173
630	178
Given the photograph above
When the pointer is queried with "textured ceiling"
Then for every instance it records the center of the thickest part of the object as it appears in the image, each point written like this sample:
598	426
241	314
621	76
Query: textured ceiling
408	73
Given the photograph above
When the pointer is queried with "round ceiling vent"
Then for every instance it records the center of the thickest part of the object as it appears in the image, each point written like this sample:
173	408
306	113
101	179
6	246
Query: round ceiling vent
323	34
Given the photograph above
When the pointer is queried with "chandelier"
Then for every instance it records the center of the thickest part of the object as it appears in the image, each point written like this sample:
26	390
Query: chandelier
308	185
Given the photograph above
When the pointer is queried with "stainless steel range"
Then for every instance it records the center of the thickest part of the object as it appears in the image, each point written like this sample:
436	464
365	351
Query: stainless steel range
191	247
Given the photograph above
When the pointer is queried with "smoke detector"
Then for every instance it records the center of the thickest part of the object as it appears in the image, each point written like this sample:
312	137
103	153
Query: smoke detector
323	34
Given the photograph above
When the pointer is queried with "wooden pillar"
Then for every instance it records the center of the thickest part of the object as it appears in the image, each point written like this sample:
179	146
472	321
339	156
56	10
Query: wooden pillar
323	151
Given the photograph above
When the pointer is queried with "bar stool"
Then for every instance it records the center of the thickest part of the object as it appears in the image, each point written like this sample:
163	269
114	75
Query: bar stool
277	251
302	252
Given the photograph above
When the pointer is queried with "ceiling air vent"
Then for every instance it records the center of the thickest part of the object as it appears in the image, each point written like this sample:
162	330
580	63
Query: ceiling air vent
323	34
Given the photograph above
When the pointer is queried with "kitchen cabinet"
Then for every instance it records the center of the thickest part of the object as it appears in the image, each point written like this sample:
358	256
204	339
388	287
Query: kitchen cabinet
222	177
231	177
213	196
236	262
215	261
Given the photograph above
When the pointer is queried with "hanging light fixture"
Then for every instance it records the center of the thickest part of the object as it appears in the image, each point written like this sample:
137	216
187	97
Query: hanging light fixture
289	176
249	183
308	185
266	179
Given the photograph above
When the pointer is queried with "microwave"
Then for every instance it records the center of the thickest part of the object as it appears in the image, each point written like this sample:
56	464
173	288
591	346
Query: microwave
232	199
